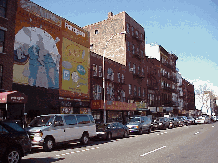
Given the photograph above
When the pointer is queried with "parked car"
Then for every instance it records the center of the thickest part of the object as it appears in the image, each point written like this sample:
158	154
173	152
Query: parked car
175	121
47	130
14	142
139	124
191	120
111	130
213	118
200	120
183	119
163	123
154	125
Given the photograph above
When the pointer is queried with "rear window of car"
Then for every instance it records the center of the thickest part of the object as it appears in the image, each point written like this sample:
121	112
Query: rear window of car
14	126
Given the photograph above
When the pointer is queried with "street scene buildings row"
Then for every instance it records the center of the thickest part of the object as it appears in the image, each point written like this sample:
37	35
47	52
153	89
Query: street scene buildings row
55	66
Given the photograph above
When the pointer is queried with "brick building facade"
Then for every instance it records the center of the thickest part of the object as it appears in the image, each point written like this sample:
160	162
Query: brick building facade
7	32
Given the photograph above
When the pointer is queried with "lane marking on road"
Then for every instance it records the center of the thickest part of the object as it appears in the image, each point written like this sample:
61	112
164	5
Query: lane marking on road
197	132
83	150
152	151
212	126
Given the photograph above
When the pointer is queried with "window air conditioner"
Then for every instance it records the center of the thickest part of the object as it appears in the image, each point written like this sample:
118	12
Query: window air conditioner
131	69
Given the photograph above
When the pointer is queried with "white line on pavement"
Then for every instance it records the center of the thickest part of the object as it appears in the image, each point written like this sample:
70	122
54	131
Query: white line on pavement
153	151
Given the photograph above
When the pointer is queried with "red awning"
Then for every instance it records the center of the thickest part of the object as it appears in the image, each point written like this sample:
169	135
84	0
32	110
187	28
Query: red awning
13	97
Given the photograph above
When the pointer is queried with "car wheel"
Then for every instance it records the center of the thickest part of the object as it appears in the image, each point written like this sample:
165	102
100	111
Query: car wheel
13	155
108	136
140	132
48	144
126	135
85	139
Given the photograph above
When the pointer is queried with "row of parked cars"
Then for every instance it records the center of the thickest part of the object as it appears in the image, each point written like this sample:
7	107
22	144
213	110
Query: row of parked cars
52	129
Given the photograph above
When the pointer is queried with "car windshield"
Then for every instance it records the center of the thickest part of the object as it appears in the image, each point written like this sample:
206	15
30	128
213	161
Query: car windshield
14	126
41	121
135	119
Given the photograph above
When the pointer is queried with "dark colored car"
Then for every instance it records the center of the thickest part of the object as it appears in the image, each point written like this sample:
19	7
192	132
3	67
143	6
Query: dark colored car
14	142
183	119
175	121
154	124
111	130
163	123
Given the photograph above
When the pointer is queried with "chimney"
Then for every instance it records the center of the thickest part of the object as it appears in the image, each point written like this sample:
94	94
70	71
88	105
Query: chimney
110	14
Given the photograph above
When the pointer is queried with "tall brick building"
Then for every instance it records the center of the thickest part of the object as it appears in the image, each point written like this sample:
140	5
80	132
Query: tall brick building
8	10
126	49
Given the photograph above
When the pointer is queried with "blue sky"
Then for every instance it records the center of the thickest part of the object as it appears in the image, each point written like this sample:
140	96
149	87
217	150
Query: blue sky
188	28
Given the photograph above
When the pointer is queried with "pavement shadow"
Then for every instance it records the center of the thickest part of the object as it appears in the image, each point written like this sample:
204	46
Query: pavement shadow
41	160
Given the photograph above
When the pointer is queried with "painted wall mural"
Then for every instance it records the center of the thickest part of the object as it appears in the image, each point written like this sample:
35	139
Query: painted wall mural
75	63
36	58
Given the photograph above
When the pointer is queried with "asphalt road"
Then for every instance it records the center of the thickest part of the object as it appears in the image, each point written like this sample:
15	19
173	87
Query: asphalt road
195	143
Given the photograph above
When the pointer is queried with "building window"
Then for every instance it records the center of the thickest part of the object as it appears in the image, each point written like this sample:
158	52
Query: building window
100	71
139	91
136	33
2	8
135	90
123	78
128	46
130	89
97	92
118	75
132	31
91	46
96	31
94	70
133	49
127	26
2	39
143	92
1	73
129	65
134	68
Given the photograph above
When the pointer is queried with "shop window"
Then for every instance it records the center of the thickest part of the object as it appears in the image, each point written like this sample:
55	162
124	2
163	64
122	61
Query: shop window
2	8
1	74
2	40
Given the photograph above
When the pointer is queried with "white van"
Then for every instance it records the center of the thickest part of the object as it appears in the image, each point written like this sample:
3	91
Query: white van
47	130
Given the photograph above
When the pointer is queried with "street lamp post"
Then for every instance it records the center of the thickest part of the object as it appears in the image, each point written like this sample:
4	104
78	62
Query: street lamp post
104	90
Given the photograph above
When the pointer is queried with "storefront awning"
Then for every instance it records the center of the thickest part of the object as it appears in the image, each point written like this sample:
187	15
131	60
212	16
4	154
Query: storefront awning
13	97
